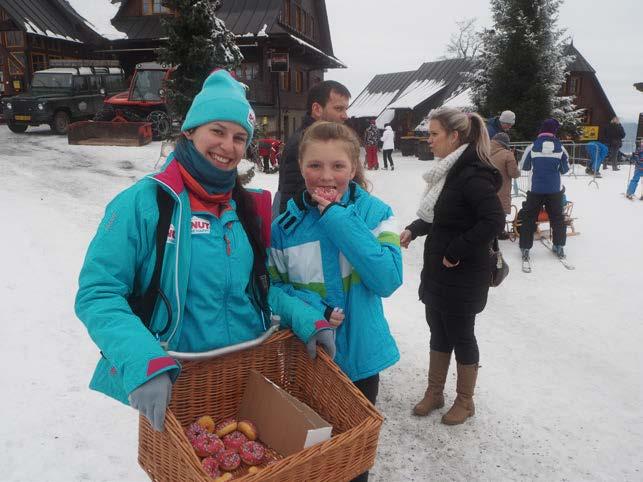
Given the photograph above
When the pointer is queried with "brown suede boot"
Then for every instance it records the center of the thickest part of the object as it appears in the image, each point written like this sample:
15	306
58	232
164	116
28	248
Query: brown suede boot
433	397
463	407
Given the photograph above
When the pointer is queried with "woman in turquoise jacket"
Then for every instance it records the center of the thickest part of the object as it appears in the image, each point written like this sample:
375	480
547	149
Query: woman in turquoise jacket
209	296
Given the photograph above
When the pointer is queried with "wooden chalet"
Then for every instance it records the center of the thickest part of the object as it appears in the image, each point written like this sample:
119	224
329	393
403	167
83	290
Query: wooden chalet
582	83
286	45
35	31
403	99
295	32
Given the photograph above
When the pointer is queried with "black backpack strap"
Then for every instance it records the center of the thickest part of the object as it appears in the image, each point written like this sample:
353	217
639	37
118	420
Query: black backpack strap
143	306
260	277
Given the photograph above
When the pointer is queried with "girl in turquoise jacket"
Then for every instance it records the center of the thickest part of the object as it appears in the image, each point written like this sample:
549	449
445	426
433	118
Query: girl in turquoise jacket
209	296
336	247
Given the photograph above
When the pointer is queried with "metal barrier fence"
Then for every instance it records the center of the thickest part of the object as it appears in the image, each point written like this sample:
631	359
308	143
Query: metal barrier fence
579	158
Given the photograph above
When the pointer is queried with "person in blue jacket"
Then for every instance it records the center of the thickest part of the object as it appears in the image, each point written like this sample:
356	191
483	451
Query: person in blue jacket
547	158
336	247
597	151
637	158
209	294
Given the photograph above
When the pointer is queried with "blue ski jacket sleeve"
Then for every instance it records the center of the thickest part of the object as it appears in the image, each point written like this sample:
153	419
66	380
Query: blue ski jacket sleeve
107	279
375	255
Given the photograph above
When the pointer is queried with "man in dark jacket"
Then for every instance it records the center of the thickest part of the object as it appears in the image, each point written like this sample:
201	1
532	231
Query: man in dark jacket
327	101
614	134
547	159
502	123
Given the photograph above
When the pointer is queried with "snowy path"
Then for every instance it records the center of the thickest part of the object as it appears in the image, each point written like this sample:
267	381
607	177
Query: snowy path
559	394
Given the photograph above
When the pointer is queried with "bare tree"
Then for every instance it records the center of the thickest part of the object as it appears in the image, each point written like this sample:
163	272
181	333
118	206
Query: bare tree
464	44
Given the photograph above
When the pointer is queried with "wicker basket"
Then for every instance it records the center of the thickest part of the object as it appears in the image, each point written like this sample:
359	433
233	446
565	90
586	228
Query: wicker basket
215	387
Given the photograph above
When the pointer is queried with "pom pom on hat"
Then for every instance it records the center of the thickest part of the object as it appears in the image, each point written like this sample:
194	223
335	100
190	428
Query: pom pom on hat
222	98
507	117
550	126
502	138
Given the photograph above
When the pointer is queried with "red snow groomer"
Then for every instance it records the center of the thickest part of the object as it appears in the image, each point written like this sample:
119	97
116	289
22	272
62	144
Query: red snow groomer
130	117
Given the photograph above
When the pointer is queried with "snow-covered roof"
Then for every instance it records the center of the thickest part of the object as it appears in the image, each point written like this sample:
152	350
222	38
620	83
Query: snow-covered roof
31	27
378	94
98	15
260	33
370	104
54	19
460	100
417	92
385	118
433	82
312	47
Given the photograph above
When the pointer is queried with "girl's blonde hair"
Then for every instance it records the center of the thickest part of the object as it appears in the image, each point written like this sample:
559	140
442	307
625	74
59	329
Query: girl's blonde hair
470	127
322	131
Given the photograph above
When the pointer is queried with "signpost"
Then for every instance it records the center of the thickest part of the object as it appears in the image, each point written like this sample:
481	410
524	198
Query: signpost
589	133
279	62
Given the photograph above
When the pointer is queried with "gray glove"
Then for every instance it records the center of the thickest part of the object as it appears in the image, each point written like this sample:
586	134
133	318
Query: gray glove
325	338
152	399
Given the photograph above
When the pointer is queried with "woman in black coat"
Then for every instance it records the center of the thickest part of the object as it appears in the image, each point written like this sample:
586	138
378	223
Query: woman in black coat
614	135
460	214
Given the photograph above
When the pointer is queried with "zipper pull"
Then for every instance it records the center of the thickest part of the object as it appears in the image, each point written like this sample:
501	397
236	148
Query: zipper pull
227	244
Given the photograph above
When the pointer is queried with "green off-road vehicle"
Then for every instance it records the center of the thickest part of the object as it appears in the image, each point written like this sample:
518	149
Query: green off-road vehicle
61	95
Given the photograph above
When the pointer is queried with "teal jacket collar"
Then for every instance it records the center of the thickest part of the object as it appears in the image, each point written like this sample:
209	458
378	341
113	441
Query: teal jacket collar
302	204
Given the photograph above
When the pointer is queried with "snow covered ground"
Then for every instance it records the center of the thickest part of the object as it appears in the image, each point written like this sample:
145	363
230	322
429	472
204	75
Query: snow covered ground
559	394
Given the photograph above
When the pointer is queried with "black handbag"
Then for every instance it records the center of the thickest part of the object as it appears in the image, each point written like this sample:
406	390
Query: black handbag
498	265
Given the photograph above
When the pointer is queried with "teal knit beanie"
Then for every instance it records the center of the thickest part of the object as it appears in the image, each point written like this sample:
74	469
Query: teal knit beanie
222	98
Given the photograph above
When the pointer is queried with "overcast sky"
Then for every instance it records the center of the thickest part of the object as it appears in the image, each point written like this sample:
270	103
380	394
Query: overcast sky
380	36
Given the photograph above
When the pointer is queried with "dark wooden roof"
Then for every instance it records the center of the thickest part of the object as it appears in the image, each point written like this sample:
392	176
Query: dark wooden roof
450	72
240	17
49	18
437	81
390	82
249	16
579	64
243	17
146	27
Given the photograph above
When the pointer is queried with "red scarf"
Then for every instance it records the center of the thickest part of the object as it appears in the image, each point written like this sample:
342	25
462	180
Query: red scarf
200	200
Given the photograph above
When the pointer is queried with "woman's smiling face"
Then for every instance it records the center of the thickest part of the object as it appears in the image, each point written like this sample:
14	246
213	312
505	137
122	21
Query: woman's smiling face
222	143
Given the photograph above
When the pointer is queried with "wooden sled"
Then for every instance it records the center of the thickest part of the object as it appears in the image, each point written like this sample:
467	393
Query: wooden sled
543	230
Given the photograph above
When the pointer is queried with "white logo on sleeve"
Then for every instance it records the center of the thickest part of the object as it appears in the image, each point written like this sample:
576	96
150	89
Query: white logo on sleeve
200	225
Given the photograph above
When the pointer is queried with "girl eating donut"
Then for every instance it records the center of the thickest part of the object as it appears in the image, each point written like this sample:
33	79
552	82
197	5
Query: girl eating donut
336	247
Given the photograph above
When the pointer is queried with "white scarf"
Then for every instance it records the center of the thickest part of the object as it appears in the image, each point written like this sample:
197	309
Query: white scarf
435	178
